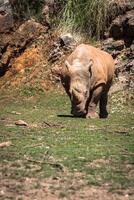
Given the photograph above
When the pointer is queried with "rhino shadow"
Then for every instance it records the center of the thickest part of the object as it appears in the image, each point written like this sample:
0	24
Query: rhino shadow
69	116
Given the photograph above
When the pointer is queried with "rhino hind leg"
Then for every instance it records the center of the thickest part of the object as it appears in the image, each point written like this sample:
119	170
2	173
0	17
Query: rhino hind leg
94	99
103	105
104	100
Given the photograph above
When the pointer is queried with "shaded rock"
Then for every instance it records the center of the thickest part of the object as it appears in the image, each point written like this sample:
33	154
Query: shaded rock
115	53
26	33
123	27
30	27
132	49
5	6
130	27
6	18
63	44
66	40
125	5
116	29
122	6
113	47
123	66
125	69
118	45
107	44
6	23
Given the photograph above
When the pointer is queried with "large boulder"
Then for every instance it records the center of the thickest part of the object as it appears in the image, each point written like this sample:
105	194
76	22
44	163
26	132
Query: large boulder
116	29
123	27
130	26
26	33
65	43
14	45
121	6
6	18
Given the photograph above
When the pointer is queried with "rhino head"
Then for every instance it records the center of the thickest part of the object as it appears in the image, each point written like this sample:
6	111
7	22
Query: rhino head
79	86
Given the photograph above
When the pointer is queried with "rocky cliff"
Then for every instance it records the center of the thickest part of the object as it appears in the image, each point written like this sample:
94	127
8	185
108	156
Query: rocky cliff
30	50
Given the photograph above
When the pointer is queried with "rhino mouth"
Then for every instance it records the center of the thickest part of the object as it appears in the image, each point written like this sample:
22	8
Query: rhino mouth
78	113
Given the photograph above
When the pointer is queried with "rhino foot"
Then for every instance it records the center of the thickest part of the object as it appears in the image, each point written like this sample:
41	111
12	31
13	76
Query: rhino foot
92	115
104	115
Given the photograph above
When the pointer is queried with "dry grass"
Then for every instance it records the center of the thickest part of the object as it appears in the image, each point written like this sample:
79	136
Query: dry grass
90	16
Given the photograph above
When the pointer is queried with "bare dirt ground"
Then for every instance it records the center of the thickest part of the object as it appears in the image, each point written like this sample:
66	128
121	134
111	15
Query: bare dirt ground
67	187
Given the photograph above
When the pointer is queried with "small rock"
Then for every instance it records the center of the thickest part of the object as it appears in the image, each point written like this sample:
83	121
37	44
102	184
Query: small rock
21	123
108	41
119	45
115	53
16	113
5	144
66	40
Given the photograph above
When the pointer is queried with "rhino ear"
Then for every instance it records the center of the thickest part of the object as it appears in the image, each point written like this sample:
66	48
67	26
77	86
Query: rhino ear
68	66
89	65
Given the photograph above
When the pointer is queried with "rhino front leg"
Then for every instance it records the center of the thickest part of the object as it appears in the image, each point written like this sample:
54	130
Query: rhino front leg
95	97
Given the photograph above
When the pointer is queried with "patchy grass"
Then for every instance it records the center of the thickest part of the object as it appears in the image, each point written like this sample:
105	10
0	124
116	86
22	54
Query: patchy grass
54	144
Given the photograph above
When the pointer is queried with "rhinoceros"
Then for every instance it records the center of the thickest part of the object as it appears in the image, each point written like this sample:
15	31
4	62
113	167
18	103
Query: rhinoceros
87	77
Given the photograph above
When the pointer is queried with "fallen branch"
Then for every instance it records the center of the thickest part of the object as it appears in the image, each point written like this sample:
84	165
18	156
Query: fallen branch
53	125
53	164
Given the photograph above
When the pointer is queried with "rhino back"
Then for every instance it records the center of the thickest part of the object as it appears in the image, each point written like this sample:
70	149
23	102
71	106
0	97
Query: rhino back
103	63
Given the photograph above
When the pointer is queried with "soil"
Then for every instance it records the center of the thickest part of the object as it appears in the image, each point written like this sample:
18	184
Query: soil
70	187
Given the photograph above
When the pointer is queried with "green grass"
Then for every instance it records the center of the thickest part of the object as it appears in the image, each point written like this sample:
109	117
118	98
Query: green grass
102	150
